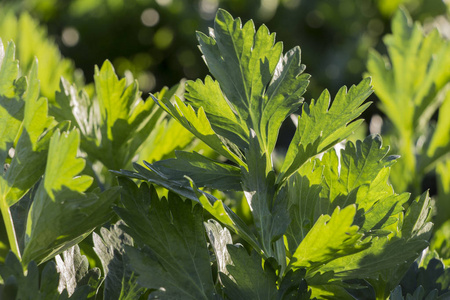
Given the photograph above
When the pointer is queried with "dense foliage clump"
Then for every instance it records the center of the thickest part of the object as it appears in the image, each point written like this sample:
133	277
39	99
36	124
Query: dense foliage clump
212	210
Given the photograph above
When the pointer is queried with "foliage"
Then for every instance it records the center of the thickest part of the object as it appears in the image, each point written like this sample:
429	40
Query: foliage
352	225
324	224
411	87
45	197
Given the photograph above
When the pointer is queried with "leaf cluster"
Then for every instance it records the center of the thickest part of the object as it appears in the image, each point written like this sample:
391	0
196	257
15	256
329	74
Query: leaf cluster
325	224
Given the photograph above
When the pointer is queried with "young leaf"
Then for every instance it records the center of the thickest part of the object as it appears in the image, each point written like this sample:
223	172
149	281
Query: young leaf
173	258
439	145
116	124
360	165
387	259
411	84
24	144
414	58
9	70
224	121
360	176
261	86
199	125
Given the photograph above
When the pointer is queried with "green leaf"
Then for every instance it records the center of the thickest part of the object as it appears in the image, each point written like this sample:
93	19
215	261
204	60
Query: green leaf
62	214
360	176
199	125
432	276
115	124
24	144
261	87
214	206
173	258
439	145
30	152
415	223
294	286
9	70
164	140
443	184
387	259
411	84
11	104
202	170
247	279
320	126
329	238
360	165
74	272
407	86
224	120
120	282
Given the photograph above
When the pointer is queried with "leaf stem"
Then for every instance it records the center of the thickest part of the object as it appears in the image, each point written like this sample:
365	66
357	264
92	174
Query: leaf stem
280	252
9	225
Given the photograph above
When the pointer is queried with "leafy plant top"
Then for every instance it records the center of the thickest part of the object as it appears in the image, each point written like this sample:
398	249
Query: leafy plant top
320	223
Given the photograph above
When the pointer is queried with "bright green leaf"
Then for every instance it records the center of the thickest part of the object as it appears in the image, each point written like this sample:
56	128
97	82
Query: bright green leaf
329	238
320	126
62	214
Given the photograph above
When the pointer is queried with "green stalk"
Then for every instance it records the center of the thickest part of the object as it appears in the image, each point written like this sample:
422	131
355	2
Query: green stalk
280	252
9	225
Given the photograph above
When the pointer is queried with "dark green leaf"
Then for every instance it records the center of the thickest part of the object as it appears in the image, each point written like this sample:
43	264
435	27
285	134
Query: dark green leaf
203	171
120	282
174	259
247	279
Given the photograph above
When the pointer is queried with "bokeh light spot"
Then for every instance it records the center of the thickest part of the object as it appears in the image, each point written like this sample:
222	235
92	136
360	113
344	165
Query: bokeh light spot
150	17
147	81
208	9
70	37
163	37
164	2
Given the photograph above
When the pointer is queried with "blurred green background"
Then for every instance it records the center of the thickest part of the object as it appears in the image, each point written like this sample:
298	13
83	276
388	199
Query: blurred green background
156	40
